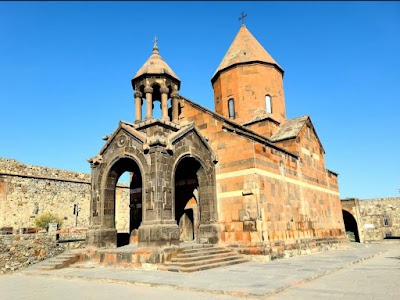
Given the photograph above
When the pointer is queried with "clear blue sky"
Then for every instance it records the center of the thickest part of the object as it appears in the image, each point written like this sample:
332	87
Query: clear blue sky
65	70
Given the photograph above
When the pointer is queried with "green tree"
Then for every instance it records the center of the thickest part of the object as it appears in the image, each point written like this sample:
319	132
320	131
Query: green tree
43	220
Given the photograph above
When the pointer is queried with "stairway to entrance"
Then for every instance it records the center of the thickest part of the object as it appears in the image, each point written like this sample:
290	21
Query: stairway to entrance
189	257
192	258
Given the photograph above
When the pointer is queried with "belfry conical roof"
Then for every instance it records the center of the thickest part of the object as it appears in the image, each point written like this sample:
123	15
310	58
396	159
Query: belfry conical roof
245	49
155	65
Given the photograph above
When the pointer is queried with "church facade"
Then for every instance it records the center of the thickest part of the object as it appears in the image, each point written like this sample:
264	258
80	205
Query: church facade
242	175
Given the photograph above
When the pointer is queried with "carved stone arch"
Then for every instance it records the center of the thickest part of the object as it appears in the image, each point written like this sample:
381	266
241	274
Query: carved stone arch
103	231
140	88
109	191
136	157
207	200
110	156
115	158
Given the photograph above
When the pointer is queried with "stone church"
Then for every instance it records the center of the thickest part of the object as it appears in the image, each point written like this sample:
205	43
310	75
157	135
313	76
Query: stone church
241	175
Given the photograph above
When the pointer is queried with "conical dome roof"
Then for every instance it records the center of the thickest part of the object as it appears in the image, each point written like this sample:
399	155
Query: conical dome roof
245	49
155	65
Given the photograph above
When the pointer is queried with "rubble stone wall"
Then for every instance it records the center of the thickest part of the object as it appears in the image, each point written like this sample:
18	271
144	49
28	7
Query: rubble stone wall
26	191
380	218
21	250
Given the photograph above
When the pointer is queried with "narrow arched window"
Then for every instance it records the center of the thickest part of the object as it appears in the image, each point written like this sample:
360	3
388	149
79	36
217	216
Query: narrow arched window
282	168
231	108
268	104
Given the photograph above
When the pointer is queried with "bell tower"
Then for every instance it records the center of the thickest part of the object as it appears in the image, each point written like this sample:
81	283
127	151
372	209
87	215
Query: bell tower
155	81
248	83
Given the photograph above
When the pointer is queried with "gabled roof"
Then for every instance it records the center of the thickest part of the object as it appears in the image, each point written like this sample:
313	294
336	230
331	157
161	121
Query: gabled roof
245	49
127	127
155	65
186	129
290	129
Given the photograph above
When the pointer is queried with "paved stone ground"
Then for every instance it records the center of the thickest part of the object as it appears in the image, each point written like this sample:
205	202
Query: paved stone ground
361	272
376	278
22	287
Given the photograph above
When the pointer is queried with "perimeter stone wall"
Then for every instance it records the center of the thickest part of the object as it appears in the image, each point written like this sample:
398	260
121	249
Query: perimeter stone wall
373	213
27	191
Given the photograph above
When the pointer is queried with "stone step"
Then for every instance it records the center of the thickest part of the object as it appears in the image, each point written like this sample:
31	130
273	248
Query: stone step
203	257
175	268
68	261
66	257
199	248
52	266
60	261
46	267
196	246
208	261
202	252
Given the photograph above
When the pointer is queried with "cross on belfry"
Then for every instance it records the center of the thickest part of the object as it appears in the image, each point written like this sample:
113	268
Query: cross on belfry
155	41
242	17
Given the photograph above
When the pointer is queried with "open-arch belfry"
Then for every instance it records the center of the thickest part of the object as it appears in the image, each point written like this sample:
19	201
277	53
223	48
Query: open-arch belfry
152	149
243	175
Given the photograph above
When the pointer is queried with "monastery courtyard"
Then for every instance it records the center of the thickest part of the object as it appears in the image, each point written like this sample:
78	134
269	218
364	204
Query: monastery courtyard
358	272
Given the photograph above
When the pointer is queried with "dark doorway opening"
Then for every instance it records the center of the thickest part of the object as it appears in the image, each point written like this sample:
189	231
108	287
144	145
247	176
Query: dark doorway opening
187	213
350	225
122	239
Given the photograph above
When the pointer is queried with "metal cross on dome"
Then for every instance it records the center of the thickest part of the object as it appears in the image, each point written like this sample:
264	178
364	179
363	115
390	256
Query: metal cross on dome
243	15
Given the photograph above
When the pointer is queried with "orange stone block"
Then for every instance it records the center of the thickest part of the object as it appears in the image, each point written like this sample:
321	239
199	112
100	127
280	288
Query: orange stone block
246	237
228	216
255	251
223	236
230	237
234	227
239	236
235	215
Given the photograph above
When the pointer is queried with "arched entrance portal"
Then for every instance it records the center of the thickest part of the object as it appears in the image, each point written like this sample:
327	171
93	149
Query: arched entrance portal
187	213
135	196
350	225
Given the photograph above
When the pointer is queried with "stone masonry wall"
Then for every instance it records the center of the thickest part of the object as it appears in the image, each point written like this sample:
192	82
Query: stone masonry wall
19	251
243	84
27	191
373	211
266	195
